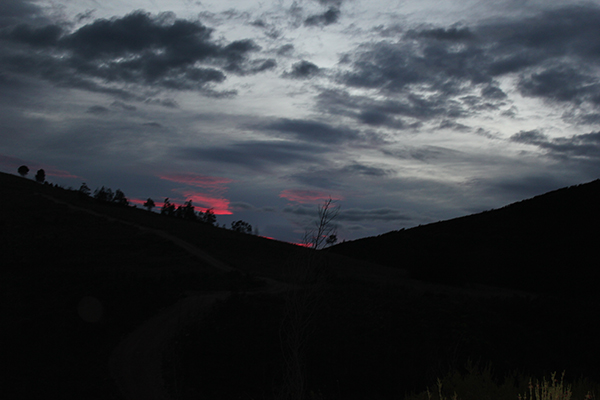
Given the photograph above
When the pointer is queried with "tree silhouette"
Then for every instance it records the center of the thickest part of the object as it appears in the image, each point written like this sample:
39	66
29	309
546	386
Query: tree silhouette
168	208
120	198
208	217
325	231
241	226
84	189
188	211
40	176
23	170
149	204
104	194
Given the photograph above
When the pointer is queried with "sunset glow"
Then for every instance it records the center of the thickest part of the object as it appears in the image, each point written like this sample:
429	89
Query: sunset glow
202	202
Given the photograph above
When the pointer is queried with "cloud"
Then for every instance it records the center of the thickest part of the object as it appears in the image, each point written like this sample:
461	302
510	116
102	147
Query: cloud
302	70
377	214
168	103
365	170
285	50
400	111
12	11
562	83
152	124
124	106
529	137
586	146
98	110
350	215
215	186
139	49
259	155
304	196
312	131
331	16
220	206
453	72
451	34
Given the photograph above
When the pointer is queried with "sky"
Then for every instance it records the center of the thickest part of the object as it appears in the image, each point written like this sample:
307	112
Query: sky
403	112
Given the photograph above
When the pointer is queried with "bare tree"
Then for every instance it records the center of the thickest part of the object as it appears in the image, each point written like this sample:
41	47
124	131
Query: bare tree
308	272
324	231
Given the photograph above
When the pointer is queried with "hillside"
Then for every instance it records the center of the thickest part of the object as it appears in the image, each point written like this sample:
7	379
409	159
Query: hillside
547	244
101	301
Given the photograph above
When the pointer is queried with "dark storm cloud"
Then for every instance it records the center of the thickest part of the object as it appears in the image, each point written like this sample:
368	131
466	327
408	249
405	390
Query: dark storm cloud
302	70
329	17
135	49
450	72
585	146
257	154
312	131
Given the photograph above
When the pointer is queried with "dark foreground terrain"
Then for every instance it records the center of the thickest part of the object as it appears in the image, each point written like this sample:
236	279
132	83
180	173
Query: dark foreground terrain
101	301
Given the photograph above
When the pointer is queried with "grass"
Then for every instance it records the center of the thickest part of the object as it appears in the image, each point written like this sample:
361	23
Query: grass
481	384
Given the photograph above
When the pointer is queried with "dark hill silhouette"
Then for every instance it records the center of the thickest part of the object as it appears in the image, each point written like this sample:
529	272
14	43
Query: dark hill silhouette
548	243
97	296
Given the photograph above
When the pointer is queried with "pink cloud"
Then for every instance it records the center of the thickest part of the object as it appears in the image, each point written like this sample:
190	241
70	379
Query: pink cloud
306	196
215	185
138	202
202	202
